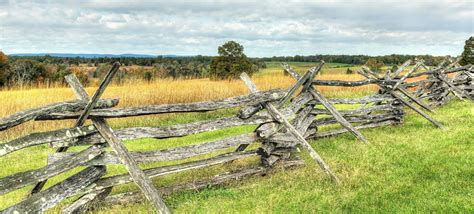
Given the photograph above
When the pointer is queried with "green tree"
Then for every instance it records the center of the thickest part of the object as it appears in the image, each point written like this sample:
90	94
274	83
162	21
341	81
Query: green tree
349	71
375	64
468	54
231	62
3	68
148	76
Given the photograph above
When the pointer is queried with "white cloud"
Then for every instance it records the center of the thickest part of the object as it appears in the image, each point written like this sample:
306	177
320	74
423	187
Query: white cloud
266	28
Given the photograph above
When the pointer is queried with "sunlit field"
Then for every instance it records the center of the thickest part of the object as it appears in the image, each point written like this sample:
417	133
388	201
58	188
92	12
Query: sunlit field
413	167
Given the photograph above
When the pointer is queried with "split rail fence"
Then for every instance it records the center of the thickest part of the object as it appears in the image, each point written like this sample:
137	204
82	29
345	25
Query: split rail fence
284	119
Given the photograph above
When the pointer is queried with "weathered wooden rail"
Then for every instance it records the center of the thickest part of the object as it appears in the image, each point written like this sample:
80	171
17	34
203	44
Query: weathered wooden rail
289	120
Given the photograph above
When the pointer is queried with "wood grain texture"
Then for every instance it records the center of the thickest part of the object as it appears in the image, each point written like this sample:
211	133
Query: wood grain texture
42	201
22	179
41	112
165	170
321	99
34	139
138	176
165	154
278	116
204	106
170	131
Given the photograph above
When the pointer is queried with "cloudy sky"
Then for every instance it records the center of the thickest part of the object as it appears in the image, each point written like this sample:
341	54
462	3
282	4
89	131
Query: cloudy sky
265	28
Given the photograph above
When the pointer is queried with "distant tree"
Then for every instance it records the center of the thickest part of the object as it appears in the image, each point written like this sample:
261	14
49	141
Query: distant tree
231	62
349	71
82	77
375	64
148	76
56	73
3	68
231	49
468	54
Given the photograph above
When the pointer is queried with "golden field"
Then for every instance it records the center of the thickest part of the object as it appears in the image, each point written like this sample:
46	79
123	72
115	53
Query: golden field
160	91
163	91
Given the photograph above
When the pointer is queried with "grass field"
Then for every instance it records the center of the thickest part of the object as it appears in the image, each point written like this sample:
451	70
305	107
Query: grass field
413	167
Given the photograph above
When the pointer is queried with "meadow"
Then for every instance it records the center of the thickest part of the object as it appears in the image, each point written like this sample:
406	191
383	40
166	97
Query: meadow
412	167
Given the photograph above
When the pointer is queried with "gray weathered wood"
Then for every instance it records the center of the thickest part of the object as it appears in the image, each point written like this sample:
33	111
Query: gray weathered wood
370	73
165	154
170	131
306	77
295	105
304	119
455	90
223	178
361	100
138	176
414	99
402	79
436	70
22	179
86	202
32	114
333	110
390	90
45	137
436	123
344	83
357	119
93	101
42	201
165	170
266	96
315	135
82	95
362	110
401	68
268	130
281	119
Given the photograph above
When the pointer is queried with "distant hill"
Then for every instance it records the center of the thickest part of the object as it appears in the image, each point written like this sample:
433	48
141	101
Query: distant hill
92	55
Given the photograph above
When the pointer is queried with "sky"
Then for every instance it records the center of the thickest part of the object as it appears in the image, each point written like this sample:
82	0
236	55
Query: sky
264	28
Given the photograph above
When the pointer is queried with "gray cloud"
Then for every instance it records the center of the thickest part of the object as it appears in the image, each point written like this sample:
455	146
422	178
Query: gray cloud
265	27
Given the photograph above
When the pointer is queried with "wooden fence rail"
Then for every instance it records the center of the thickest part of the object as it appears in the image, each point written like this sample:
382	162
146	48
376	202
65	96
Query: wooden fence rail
284	119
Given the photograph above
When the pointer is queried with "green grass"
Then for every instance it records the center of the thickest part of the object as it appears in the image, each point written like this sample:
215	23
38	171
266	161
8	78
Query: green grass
301	67
413	167
307	64
409	168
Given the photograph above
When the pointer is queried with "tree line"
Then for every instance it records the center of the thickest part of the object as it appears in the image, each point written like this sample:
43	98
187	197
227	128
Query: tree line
393	59
230	62
30	70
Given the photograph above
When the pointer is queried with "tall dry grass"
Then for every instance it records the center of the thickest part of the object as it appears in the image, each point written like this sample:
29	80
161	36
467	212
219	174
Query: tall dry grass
161	91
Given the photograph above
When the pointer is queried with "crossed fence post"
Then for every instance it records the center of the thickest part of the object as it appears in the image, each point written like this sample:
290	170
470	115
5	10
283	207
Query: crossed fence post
316	95
390	86
138	176
280	118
